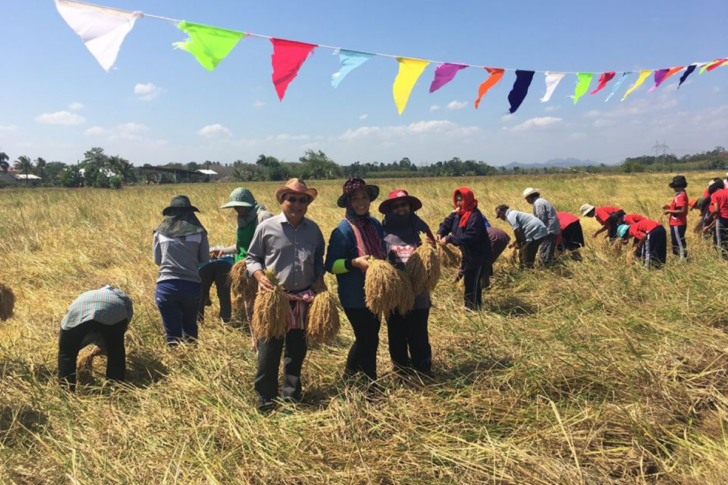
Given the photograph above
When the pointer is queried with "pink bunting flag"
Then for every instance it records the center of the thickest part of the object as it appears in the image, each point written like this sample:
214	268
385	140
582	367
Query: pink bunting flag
603	80
288	57
444	74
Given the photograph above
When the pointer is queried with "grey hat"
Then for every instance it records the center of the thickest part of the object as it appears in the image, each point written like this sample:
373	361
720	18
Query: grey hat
180	202
240	197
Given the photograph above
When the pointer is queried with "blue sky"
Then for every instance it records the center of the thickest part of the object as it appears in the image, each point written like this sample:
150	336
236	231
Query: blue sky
181	112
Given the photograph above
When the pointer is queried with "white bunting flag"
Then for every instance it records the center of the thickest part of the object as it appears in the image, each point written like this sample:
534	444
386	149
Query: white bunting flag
552	80
101	29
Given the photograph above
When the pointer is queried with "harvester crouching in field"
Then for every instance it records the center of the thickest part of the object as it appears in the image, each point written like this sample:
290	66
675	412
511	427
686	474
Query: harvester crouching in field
528	230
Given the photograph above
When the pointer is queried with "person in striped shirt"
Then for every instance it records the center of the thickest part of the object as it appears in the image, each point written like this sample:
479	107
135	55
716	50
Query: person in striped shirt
100	318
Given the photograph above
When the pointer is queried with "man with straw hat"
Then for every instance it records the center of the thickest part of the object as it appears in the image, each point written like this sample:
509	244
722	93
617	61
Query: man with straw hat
601	214
546	213
291	246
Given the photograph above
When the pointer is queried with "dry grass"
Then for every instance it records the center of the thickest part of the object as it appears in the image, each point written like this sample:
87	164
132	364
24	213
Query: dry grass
323	322
242	288
592	372
7	302
271	312
406	295
450	256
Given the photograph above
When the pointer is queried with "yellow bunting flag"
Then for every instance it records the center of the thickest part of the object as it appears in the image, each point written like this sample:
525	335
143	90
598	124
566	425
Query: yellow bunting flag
410	71
643	75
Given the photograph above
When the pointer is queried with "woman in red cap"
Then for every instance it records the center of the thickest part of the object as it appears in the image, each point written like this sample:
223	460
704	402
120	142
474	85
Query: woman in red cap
409	342
465	228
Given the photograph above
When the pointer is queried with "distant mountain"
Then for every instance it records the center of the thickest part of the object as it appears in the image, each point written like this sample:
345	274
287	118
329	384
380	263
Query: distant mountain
555	162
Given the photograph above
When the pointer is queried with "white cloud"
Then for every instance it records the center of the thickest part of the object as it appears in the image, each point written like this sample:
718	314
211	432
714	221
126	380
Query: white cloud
457	104
507	118
551	109
147	92
216	130
60	118
419	128
434	107
287	137
130	131
716	89
95	131
258	104
363	117
75	106
536	123
5	128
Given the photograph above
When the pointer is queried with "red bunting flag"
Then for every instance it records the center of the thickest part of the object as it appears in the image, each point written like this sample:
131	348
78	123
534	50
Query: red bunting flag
495	76
603	80
288	57
716	64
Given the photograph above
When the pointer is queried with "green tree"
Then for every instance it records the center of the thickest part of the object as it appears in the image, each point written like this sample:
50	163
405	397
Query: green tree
41	169
54	169
72	177
24	165
4	162
316	165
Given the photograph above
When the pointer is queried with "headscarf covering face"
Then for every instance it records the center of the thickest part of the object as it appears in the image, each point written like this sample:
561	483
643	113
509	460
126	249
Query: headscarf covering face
469	204
180	222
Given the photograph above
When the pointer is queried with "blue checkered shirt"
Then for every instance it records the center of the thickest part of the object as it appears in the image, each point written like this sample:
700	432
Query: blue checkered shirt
106	305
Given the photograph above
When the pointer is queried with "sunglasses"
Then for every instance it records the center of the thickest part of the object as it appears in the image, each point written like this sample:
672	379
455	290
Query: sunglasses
300	200
399	205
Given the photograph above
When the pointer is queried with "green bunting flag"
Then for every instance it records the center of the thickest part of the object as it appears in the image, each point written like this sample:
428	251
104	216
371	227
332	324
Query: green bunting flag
209	45
583	85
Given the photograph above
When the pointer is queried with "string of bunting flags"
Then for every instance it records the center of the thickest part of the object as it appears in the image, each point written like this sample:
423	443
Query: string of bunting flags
103	30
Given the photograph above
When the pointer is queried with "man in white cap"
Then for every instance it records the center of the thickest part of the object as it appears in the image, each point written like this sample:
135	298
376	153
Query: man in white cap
546	213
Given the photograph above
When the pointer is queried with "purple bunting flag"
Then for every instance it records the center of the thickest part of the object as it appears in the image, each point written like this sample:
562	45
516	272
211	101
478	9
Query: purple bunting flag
444	74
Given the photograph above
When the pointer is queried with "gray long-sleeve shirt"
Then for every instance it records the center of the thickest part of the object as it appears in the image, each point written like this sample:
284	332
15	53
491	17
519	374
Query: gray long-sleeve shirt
294	254
543	209
178	257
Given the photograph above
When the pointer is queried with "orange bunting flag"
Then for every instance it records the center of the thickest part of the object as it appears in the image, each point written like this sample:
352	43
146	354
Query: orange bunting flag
496	75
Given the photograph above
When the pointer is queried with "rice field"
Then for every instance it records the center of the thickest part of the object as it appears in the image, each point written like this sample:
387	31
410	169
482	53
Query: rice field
593	372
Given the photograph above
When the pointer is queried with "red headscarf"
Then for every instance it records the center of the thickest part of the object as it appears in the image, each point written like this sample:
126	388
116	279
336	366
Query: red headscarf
469	203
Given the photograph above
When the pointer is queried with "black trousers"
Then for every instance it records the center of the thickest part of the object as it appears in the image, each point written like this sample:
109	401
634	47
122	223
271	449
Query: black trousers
71	342
572	237
269	360
654	251
476	279
363	353
409	342
528	252
677	236
721	236
215	272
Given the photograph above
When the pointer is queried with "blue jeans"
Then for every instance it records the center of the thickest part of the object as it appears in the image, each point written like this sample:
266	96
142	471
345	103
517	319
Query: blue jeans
177	301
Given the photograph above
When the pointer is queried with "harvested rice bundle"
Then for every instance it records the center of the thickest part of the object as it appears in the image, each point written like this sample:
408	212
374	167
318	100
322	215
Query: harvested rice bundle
322	322
383	287
513	257
423	268
450	256
242	288
7	302
271	311
416	273
407	298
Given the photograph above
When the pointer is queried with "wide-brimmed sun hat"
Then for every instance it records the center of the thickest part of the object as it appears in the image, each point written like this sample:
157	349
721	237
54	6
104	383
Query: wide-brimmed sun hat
400	194
179	202
240	197
530	191
295	186
356	183
678	181
585	209
623	230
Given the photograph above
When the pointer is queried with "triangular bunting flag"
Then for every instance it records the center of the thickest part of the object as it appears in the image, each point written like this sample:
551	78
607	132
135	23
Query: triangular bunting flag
101	29
603	80
496	75
583	85
552	80
688	72
520	89
716	64
662	75
410	71
616	86
444	74
638	83
350	60
209	45
287	58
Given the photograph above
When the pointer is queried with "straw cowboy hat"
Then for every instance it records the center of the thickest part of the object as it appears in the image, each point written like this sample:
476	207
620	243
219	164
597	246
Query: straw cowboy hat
531	191
356	183
295	186
400	194
586	208
179	202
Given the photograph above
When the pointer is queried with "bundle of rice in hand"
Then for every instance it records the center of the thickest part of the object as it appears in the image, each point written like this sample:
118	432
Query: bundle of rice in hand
322	322
407	299
513	257
242	288
7	302
450	255
271	311
423	268
384	288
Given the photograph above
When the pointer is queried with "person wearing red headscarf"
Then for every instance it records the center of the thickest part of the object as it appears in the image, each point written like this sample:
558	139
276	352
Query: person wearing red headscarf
465	228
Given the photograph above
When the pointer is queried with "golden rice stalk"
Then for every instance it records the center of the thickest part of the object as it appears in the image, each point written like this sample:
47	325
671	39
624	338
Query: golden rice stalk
617	247
416	272
7	302
322	322
383	287
242	288
450	255
407	297
431	262
513	257
271	312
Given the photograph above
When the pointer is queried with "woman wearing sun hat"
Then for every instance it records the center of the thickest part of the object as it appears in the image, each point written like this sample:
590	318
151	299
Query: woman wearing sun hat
180	245
357	237
409	343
